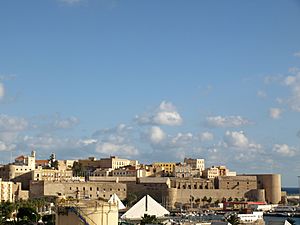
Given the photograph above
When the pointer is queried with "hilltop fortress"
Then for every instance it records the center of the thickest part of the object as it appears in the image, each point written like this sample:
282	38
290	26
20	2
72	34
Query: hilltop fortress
174	185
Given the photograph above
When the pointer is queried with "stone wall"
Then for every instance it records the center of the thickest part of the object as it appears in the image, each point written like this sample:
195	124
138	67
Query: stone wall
272	185
81	190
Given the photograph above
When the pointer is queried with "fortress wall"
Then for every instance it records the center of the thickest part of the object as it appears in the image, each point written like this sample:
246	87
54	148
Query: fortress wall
272	185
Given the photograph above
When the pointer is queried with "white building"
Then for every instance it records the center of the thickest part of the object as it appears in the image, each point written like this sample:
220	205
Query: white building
195	163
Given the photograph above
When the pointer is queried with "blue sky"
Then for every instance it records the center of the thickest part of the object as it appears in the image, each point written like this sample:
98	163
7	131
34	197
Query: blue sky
153	80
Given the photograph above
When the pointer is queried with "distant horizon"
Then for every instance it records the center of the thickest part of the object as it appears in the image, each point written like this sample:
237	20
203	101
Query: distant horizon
153	81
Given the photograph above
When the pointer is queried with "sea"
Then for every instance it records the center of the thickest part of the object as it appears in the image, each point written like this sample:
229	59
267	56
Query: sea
268	219
291	190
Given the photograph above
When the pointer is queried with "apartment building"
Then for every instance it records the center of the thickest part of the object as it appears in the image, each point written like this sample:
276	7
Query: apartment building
198	164
167	167
6	191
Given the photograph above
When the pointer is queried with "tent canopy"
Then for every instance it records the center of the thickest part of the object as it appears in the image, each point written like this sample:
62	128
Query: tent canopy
146	205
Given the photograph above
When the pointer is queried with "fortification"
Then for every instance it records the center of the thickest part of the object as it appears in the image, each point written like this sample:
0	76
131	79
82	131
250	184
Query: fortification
272	185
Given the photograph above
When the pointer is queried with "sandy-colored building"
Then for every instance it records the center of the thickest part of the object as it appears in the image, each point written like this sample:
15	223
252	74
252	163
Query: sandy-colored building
52	174
87	212
112	162
21	165
167	167
77	189
198	164
126	171
6	191
10	191
182	170
175	192
224	171
210	173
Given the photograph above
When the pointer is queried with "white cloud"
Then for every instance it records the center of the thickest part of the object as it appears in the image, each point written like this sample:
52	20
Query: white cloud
294	70
10	123
238	139
2	91
272	79
66	123
156	135
297	54
49	142
71	2
293	82
6	147
275	113
116	149
206	136
165	114
182	139
284	150
88	141
229	121
261	94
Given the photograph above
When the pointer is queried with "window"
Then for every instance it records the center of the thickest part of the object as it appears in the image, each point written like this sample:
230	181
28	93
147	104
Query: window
83	188
97	188
91	188
70	188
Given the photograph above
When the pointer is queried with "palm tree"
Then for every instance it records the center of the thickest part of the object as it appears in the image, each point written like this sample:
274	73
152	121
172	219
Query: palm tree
147	219
209	200
197	201
233	219
217	202
204	199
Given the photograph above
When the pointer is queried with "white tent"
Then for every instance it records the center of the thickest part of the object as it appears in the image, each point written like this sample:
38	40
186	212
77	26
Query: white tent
115	199
146	205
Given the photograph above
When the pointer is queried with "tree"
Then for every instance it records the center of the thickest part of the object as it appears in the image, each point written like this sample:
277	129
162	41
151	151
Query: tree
27	214
197	201
209	200
204	199
217	202
191	199
130	200
53	163
147	219
78	169
233	219
6	209
229	199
